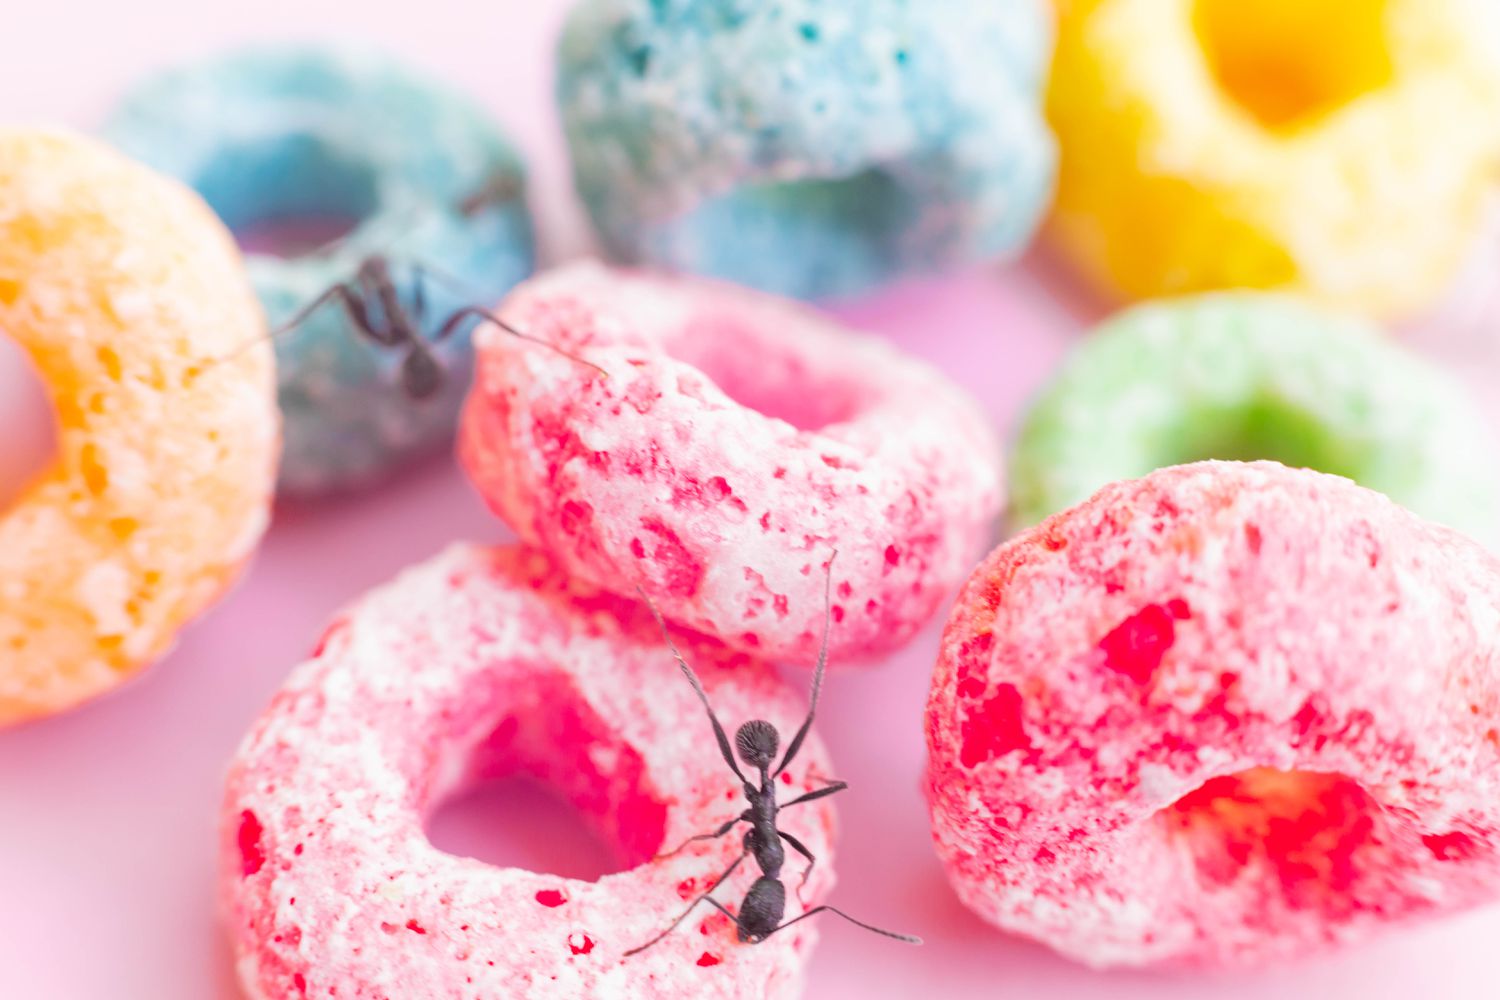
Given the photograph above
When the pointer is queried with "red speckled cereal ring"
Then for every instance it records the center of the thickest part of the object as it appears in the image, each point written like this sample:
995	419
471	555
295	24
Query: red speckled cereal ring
1221	715
738	441
479	663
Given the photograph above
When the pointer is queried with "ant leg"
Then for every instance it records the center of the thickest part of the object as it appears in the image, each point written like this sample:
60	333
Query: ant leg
833	788
453	283
801	849
725	910
908	938
743	817
817	683
457	317
822	780
717	882
496	190
347	296
422	374
692	677
375	278
419	296
423	272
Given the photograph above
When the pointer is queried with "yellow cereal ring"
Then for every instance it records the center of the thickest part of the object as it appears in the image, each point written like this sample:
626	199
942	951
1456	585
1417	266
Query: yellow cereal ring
131	300
1341	148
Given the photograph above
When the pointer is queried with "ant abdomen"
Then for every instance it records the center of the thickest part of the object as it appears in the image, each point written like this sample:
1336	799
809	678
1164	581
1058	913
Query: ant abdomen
421	374
763	908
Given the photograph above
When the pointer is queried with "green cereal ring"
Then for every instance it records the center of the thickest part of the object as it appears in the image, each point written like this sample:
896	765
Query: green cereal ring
1254	376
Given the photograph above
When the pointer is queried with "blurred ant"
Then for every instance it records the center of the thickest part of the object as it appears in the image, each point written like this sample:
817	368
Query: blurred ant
373	306
376	312
761	912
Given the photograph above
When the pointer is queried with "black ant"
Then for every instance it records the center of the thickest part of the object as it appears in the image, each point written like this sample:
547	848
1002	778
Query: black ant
374	308
757	742
376	312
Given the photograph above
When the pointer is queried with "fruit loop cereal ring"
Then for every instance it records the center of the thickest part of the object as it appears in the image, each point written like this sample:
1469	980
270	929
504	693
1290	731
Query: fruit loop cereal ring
1255	376
270	136
810	148
739	440
488	662
132	303
1342	148
1225	714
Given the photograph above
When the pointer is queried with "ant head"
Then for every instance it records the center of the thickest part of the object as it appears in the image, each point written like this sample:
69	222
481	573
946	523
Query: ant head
421	376
757	742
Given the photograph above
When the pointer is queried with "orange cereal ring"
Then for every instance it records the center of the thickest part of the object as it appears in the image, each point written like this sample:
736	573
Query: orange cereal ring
131	300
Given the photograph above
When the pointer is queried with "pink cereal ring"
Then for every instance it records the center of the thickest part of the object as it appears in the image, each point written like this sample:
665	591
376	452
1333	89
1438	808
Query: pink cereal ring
1225	714
479	663
738	440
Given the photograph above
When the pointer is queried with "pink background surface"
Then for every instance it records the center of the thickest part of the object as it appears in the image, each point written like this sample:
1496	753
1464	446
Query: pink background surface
107	814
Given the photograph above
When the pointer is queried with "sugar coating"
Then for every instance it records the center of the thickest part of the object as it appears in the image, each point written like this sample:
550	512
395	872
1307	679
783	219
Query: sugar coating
131	301
808	148
1222	715
289	131
1343	149
736	443
480	663
1247	375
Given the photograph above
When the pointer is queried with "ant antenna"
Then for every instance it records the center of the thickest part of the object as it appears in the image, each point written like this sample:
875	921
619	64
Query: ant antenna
817	681
499	188
908	938
485	315
692	677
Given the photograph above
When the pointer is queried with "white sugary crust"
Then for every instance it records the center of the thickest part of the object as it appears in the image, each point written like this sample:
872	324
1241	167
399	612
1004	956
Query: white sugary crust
483	662
1289	621
667	474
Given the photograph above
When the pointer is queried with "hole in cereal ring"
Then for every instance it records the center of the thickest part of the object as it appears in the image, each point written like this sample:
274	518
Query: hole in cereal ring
717	337
1271	429
293	237
289	194
1289	62
828	233
29	445
1316	837
552	790
518	822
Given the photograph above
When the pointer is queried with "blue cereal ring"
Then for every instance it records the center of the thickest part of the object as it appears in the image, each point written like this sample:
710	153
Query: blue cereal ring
286	133
812	149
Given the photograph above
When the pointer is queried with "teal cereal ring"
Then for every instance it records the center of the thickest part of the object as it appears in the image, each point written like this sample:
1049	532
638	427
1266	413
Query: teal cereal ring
1253	376
283	133
811	148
